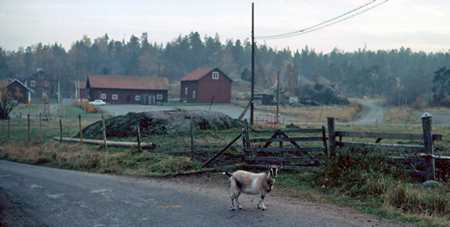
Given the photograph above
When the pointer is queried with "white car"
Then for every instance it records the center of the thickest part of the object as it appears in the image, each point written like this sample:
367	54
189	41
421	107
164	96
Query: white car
98	102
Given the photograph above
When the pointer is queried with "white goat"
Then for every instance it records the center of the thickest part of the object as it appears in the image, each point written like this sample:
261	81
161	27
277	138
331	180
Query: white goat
252	183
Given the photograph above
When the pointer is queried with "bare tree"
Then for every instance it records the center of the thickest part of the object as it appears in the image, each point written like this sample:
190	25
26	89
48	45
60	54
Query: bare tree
7	102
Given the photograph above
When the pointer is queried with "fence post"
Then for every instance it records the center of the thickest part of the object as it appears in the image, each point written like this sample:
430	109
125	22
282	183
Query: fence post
9	128
40	127
331	137
104	131
60	130
192	138
428	144
29	129
81	132
138	135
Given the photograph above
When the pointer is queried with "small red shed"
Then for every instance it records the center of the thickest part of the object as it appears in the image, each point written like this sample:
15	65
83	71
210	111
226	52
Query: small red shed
206	85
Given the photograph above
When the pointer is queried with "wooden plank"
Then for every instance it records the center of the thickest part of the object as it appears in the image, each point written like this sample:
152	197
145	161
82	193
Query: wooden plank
380	135
287	139
220	152
277	149
110	143
282	159
289	131
297	168
389	147
436	156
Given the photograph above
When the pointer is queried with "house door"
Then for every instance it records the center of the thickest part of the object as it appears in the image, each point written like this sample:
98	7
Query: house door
152	100
128	98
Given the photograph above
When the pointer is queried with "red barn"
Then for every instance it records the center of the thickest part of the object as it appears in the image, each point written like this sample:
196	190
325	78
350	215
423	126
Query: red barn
127	89
206	85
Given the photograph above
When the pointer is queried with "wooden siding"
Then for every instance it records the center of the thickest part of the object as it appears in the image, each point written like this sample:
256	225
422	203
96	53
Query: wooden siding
125	96
206	88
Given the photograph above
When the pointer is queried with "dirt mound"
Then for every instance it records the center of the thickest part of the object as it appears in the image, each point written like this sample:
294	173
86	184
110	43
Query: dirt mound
162	122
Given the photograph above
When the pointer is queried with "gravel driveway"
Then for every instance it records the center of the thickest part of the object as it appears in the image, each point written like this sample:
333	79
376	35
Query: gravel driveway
54	197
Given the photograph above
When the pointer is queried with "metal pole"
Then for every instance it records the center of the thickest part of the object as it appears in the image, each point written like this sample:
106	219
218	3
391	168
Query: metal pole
253	63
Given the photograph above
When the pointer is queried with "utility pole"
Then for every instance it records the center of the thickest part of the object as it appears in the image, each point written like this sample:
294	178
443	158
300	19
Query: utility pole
278	95
253	63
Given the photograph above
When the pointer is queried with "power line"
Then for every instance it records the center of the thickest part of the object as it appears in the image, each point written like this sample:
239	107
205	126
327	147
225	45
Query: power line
325	23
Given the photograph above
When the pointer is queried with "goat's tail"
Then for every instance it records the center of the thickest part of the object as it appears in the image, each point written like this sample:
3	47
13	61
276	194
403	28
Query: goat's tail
227	173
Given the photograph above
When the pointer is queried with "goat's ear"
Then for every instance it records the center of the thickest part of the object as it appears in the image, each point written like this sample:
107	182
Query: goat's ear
268	167
279	167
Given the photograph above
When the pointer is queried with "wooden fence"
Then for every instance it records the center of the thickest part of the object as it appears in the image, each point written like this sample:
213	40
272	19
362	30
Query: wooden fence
283	148
426	150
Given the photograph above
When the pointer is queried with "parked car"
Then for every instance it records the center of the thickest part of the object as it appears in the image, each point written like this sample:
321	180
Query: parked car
98	102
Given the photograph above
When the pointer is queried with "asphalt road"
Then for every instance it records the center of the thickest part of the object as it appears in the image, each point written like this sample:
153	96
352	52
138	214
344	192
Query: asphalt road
373	116
55	197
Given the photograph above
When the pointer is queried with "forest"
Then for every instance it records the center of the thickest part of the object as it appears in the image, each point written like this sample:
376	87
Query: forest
400	75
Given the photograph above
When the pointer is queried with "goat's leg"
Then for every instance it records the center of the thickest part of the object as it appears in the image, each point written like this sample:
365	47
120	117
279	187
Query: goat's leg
232	201
261	203
237	200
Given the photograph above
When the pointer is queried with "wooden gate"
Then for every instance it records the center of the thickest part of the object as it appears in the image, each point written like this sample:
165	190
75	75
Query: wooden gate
262	147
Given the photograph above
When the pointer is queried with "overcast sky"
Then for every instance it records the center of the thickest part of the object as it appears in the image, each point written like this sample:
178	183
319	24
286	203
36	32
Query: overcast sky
422	25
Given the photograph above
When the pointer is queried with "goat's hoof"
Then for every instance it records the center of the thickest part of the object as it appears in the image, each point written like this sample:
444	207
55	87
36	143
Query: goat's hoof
258	207
240	207
232	208
264	209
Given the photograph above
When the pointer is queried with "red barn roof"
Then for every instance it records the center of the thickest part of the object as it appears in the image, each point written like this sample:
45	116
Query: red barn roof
200	73
128	82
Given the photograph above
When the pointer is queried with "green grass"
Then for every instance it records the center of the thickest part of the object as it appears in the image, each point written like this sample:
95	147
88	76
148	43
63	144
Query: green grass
364	182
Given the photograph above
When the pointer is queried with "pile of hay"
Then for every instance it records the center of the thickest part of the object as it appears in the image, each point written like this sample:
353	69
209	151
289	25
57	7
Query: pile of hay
163	122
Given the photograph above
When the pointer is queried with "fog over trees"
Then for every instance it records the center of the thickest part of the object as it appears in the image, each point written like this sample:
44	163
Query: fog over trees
400	75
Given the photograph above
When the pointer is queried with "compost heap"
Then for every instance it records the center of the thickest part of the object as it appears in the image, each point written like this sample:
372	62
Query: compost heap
161	122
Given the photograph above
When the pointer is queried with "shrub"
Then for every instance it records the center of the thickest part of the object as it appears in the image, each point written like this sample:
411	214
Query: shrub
416	199
88	107
360	172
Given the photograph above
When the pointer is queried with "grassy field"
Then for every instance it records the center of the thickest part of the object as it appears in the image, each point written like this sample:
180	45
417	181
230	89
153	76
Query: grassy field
363	181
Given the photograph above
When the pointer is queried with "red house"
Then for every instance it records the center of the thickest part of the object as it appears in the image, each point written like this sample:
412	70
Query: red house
206	85
42	84
127	89
18	90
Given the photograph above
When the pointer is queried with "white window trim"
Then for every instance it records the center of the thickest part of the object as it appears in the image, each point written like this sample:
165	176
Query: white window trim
193	94
159	96
137	98
186	90
115	97
215	75
102	96
32	83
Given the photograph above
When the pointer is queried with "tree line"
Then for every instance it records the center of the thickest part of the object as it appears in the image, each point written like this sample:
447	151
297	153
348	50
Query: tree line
404	76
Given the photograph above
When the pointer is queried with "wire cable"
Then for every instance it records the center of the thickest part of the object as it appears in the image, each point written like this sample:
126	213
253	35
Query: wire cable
325	23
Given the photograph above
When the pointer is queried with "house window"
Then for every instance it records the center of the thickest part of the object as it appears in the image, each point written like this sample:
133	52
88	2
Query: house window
186	91
193	94
103	96
159	96
33	83
115	97
215	75
137	98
